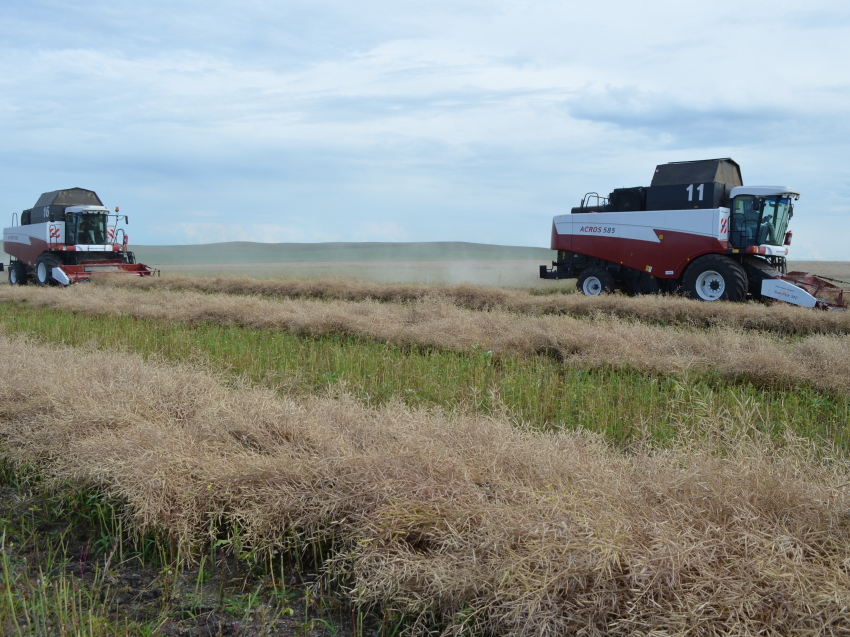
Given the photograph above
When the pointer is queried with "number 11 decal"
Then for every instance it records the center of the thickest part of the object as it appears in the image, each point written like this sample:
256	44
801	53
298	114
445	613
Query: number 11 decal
690	190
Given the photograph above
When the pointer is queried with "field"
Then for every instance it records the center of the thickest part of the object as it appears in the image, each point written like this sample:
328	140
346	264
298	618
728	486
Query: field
264	456
445	263
439	262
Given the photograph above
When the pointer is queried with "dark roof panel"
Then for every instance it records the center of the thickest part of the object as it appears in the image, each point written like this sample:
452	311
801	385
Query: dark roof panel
721	171
69	197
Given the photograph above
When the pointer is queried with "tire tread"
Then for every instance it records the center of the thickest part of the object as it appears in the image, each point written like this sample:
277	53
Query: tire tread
732	271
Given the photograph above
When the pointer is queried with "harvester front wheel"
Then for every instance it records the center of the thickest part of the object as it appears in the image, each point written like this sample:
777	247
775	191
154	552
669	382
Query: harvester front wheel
594	281
715	277
18	273
44	268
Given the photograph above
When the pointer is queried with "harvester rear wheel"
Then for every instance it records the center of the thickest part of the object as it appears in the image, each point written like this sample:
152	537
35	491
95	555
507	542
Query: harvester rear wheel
44	268
18	273
594	281
715	277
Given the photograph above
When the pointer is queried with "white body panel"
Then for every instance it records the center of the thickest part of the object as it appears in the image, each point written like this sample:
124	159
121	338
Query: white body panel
90	209
49	232
641	225
764	191
774	251
784	291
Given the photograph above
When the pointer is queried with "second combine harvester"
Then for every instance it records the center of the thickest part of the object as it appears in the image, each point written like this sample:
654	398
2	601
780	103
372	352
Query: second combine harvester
66	237
696	229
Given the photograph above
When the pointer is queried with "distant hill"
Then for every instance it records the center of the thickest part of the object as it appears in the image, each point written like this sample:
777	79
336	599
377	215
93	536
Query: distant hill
249	252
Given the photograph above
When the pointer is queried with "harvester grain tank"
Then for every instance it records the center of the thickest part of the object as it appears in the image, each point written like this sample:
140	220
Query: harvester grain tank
65	237
696	229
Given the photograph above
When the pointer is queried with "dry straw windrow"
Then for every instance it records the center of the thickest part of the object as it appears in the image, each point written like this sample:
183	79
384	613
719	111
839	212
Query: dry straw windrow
818	360
663	310
462	521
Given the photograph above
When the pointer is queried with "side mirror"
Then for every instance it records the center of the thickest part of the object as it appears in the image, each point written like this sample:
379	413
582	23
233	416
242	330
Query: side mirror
52	217
127	220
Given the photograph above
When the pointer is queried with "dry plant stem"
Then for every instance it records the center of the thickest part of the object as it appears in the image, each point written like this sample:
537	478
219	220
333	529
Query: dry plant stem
819	360
461	520
780	318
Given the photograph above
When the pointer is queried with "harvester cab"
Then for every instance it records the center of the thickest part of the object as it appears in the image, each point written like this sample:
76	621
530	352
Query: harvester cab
696	229
760	216
65	237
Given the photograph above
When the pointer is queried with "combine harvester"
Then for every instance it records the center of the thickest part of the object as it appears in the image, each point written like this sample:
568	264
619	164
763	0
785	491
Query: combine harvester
695	230
65	237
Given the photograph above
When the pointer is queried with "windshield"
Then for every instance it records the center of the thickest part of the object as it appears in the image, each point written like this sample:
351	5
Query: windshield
759	220
774	220
85	229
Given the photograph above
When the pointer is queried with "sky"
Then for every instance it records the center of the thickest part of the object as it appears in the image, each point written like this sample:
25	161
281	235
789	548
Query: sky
435	120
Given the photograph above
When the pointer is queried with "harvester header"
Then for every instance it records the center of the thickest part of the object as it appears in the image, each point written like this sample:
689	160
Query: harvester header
696	229
65	237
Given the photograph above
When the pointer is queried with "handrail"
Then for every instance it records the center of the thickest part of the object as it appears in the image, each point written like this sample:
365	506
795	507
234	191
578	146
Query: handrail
585	201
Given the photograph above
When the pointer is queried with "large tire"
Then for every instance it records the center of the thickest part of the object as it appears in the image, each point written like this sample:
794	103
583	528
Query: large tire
595	281
18	273
44	268
715	277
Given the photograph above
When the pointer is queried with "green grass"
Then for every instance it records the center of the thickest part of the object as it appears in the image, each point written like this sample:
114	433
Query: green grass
540	392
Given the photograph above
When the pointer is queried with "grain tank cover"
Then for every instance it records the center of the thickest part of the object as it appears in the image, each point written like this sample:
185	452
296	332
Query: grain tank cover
69	197
56	201
721	171
693	184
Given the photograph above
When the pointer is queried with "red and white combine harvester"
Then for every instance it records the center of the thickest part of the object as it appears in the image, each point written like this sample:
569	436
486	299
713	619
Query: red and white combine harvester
65	237
695	230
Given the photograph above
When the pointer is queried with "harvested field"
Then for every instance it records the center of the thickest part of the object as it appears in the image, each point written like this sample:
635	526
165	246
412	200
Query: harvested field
819	361
428	449
511	273
659	310
413	263
464	522
418	262
832	269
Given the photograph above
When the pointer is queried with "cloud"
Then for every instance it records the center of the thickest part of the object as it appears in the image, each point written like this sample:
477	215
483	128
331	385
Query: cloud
677	122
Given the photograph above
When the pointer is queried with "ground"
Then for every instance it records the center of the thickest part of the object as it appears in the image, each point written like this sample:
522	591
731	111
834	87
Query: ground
63	549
